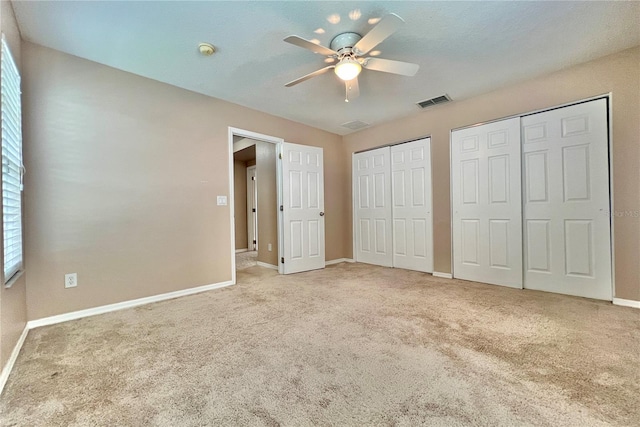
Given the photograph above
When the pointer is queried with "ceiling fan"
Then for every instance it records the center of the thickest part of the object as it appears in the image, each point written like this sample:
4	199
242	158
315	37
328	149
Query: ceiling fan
349	49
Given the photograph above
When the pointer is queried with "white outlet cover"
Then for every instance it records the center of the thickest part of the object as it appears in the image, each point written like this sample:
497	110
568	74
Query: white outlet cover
71	280
222	200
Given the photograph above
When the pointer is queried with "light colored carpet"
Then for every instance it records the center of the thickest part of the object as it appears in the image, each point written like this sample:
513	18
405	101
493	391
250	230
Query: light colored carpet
349	345
246	260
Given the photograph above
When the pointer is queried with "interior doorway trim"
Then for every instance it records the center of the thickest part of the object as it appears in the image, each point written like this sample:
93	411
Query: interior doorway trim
259	137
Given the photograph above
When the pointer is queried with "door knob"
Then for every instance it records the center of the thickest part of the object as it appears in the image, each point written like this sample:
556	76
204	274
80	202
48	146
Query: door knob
321	213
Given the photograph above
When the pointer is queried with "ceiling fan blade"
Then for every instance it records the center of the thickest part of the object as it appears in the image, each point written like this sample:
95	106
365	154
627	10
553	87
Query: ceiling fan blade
310	75
306	44
389	66
387	26
352	88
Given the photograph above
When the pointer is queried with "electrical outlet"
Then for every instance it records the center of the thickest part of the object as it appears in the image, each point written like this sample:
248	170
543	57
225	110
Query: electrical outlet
269	247
71	280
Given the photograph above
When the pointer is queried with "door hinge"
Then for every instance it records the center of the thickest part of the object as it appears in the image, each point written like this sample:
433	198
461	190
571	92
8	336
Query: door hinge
280	156
282	260
254	242
253	178
281	208
253	209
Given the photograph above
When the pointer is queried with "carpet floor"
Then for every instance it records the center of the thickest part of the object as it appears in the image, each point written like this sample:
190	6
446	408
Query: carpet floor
349	345
246	260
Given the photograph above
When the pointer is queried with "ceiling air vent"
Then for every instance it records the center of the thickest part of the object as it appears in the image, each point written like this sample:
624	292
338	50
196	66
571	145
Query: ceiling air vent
355	125
433	101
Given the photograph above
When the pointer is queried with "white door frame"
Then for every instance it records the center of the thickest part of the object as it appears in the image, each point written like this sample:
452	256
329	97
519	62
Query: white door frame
608	97
259	137
252	194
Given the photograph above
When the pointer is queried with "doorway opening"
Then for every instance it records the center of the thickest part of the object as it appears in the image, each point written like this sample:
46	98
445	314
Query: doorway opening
255	195
289	206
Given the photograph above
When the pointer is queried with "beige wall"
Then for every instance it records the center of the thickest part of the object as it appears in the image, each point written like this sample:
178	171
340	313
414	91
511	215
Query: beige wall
122	184
13	309
267	202
619	74
130	205
240	202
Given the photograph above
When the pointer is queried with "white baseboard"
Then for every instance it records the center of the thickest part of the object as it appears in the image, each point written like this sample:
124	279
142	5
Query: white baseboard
265	265
338	261
122	305
626	302
239	251
442	275
4	376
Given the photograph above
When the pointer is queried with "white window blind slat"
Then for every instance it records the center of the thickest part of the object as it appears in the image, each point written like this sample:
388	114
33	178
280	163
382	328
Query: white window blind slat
10	132
12	186
11	123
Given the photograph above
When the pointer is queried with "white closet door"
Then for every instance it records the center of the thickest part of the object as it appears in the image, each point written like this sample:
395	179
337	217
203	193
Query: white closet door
566	191
487	212
411	194
303	203
372	203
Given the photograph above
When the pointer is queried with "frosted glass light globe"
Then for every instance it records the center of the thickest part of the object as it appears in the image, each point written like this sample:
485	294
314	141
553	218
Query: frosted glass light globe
348	69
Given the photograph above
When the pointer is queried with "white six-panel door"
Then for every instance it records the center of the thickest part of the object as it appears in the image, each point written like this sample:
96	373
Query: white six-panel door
252	208
566	193
486	201
411	205
303	208
372	207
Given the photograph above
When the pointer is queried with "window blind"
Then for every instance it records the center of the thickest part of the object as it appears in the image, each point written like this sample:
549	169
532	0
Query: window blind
11	116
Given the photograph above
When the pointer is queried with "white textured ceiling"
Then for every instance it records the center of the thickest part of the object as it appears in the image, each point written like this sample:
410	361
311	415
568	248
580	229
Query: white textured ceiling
463	48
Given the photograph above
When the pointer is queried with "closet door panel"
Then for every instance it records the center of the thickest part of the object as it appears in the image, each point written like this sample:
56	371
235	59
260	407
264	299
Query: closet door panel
566	170
412	212
372	207
486	200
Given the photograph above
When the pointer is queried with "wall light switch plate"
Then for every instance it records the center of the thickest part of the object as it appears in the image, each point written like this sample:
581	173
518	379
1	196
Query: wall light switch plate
222	200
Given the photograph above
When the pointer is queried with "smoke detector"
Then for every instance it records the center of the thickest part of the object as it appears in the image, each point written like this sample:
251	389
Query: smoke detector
207	49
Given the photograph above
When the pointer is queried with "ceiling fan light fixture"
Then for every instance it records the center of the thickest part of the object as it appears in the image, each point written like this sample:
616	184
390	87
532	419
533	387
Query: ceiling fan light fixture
348	69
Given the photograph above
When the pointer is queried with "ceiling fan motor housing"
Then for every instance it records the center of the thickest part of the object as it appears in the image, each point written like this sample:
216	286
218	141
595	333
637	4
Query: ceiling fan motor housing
343	43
